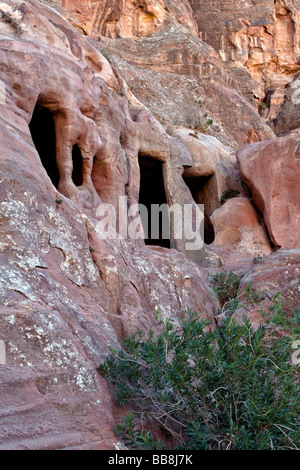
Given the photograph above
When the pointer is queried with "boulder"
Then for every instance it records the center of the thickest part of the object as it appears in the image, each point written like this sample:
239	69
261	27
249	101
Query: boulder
272	171
236	224
275	274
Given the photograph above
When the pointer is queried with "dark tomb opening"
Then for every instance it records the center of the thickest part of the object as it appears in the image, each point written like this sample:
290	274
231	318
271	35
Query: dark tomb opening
152	191
77	174
43	135
202	190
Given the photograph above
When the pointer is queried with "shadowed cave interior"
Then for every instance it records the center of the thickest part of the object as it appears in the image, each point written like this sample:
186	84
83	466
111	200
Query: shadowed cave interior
42	130
152	191
43	135
200	187
77	174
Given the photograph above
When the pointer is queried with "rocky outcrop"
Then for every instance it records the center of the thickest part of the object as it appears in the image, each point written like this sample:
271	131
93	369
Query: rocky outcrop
272	170
130	19
169	58
259	42
68	144
274	275
102	102
288	117
236	224
212	172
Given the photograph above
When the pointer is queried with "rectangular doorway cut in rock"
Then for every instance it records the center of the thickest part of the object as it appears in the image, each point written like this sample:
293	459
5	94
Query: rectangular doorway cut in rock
152	192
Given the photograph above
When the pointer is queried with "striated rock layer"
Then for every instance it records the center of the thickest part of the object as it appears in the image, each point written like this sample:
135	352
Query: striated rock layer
129	18
94	98
180	78
258	40
288	117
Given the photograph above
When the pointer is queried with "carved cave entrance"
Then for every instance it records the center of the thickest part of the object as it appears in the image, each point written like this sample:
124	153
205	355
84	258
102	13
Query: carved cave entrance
42	130
43	135
203	192
152	191
77	174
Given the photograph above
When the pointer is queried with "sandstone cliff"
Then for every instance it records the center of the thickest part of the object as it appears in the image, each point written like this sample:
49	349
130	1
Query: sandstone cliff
259	42
97	98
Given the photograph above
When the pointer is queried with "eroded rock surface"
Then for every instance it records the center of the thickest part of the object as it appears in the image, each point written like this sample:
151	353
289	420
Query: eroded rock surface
288	117
259	42
236	224
89	93
129	18
276	274
180	78
272	170
68	295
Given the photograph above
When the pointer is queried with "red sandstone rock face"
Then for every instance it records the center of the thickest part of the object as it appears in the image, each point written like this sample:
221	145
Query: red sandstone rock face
66	294
277	273
258	40
236	223
272	170
129	18
288	117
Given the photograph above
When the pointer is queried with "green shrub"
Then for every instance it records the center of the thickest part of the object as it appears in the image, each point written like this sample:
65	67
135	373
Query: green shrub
208	122
229	194
257	259
226	285
262	105
254	297
228	388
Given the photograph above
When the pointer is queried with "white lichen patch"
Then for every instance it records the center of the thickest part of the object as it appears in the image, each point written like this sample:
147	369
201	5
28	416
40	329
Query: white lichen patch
85	379
11	16
58	292
111	269
144	267
80	218
15	210
21	216
77	263
35	285
41	226
52	321
59	353
28	261
120	446
14	279
18	355
11	319
5	8
7	242
46	346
